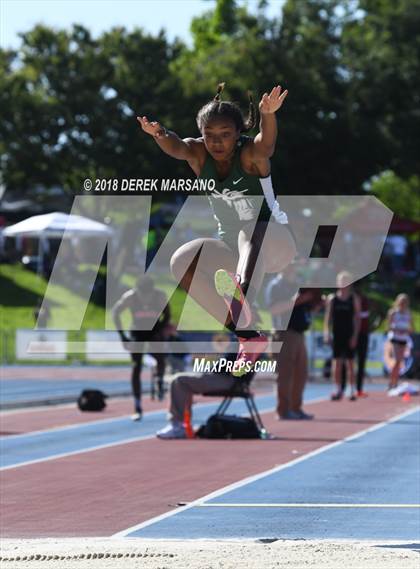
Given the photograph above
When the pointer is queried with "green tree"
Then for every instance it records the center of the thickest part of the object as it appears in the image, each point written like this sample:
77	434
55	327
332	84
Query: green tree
381	60
69	103
401	196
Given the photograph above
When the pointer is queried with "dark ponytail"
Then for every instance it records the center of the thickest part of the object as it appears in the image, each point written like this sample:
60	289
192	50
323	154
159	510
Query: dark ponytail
226	109
251	121
220	88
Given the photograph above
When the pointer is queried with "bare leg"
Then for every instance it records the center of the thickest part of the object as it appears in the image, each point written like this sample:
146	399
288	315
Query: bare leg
184	386
266	249
194	265
395	372
337	363
350	373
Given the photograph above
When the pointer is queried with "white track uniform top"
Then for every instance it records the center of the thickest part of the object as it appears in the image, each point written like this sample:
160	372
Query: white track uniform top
400	326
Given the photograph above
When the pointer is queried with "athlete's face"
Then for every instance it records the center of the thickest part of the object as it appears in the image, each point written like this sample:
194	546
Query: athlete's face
220	138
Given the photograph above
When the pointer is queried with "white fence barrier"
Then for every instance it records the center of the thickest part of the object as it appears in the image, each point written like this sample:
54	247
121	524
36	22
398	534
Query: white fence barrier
319	352
102	345
41	345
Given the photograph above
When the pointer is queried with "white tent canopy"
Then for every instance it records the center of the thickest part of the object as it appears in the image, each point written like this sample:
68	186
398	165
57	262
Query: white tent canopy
53	225
57	225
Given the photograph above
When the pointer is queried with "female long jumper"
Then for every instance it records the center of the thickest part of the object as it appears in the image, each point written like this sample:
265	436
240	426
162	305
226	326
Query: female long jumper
253	239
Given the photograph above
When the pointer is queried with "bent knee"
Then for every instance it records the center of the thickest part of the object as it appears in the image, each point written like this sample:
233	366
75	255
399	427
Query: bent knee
182	270
181	380
185	259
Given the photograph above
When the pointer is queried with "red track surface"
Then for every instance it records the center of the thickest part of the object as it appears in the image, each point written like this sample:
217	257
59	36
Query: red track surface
105	491
66	373
28	420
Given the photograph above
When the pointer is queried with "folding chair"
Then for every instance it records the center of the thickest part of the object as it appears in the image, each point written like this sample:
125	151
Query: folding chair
240	389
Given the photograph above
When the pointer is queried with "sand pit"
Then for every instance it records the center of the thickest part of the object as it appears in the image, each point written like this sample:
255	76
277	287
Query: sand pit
102	553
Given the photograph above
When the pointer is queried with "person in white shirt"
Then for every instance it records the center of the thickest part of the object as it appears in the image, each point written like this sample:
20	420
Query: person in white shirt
400	326
398	244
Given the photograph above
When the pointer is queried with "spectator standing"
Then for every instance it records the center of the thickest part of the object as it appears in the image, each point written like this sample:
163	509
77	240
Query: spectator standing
292	360
342	314
143	301
400	326
370	319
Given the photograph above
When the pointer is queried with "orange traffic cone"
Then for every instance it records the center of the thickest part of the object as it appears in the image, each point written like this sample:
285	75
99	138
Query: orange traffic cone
406	397
187	424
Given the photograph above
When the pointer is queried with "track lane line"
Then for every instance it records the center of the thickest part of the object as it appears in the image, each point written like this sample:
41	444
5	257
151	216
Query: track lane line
117	418
256	477
108	445
308	505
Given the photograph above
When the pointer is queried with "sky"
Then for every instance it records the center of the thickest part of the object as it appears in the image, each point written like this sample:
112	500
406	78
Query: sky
100	15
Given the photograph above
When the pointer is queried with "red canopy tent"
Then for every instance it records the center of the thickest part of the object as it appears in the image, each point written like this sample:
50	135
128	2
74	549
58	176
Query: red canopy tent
401	225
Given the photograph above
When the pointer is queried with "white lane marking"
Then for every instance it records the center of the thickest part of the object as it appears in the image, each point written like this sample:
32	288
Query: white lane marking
118	418
286	505
106	445
83	451
76	425
34	408
72	453
256	477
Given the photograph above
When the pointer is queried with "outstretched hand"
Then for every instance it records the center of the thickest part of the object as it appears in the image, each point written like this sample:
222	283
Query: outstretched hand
270	103
153	128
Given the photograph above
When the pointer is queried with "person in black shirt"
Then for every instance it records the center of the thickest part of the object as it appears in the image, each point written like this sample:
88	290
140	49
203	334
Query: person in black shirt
371	317
292	360
143	301
343	315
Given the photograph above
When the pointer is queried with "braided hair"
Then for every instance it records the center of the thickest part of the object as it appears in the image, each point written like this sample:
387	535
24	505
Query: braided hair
217	108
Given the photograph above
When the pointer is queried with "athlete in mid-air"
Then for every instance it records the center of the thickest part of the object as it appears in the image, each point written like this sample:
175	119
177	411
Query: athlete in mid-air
254	238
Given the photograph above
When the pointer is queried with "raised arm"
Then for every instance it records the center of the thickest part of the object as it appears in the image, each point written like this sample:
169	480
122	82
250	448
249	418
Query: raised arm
265	141
181	149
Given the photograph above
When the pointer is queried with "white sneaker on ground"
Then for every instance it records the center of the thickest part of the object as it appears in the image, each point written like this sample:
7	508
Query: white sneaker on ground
172	431
137	416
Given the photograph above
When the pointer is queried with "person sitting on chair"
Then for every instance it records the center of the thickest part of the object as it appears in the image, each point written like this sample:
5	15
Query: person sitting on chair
184	386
